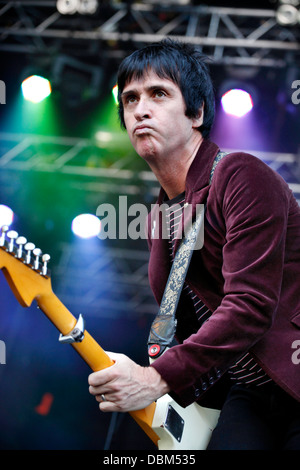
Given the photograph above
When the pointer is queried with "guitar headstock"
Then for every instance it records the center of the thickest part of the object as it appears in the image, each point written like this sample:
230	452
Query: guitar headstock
24	266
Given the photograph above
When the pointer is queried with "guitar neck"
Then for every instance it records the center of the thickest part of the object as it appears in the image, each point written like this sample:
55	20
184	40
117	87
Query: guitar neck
91	352
59	315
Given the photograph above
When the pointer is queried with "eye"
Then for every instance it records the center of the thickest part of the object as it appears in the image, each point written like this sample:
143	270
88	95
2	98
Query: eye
159	93
129	99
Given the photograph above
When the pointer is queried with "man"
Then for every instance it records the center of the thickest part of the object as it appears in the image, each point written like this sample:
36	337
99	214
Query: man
239	313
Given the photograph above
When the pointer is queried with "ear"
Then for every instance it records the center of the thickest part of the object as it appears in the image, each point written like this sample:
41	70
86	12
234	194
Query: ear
198	121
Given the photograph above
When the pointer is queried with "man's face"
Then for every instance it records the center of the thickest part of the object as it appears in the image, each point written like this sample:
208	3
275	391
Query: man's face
154	115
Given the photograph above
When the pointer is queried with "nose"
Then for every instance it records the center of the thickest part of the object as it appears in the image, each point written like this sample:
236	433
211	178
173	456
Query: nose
142	109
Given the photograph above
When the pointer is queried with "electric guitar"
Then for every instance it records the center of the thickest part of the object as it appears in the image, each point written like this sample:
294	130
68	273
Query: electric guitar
168	425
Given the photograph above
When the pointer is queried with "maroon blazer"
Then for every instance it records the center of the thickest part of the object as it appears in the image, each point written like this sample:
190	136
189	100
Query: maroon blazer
247	273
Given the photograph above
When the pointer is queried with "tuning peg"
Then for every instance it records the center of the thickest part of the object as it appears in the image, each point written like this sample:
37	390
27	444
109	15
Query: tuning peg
4	229
20	242
12	235
29	247
37	253
45	259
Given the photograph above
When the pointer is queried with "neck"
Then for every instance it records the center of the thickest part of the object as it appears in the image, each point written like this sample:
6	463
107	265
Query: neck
172	172
173	180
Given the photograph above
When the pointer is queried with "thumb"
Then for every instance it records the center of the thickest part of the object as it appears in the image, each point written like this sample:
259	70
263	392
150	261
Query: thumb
115	356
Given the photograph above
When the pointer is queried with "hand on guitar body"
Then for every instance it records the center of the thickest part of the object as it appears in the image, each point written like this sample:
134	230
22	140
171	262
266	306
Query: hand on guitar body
126	386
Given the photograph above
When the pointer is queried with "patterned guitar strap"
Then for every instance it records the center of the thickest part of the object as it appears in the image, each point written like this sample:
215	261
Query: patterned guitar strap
163	328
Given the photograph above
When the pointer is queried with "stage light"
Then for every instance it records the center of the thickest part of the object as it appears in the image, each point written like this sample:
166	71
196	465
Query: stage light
36	88
288	12
237	102
83	7
6	215
115	93
86	226
87	7
66	7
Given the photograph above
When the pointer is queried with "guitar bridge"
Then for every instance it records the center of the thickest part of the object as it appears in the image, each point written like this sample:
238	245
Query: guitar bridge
174	423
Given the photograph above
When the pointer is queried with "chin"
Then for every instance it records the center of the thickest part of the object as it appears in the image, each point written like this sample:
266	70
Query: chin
146	153
145	146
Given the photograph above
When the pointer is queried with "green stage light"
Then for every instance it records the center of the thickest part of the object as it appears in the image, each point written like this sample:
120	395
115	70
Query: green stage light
36	88
115	93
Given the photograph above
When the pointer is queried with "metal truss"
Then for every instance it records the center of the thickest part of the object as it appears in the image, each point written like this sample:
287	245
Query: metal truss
89	165
244	36
81	157
78	157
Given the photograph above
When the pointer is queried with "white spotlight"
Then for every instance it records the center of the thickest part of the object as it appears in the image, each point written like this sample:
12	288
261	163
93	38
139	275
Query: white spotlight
6	215
86	226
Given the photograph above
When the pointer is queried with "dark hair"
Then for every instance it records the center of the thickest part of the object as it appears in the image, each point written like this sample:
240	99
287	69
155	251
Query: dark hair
184	65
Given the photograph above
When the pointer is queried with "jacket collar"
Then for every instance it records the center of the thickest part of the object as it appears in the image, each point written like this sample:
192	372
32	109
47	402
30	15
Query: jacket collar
199	173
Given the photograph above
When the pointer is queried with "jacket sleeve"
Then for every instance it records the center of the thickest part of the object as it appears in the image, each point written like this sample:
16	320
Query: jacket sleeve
251	203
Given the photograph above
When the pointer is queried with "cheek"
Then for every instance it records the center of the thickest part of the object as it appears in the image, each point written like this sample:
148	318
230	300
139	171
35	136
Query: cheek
126	120
177	128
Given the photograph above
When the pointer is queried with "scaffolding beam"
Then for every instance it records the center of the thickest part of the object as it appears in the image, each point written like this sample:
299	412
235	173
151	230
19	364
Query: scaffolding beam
245	36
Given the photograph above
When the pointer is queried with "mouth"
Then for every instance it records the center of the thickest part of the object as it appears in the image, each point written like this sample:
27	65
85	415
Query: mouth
142	129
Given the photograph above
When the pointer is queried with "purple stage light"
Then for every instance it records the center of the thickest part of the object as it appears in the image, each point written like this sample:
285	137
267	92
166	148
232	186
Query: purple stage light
237	102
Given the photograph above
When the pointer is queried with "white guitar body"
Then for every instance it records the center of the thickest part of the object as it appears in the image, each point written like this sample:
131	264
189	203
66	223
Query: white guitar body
180	428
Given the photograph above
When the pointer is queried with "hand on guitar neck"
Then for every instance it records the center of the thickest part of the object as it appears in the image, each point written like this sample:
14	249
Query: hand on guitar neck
126	386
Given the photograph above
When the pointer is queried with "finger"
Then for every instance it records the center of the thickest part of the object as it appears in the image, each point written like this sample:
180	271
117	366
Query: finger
97	390
101	398
108	406
93	379
102	376
94	390
114	356
98	378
